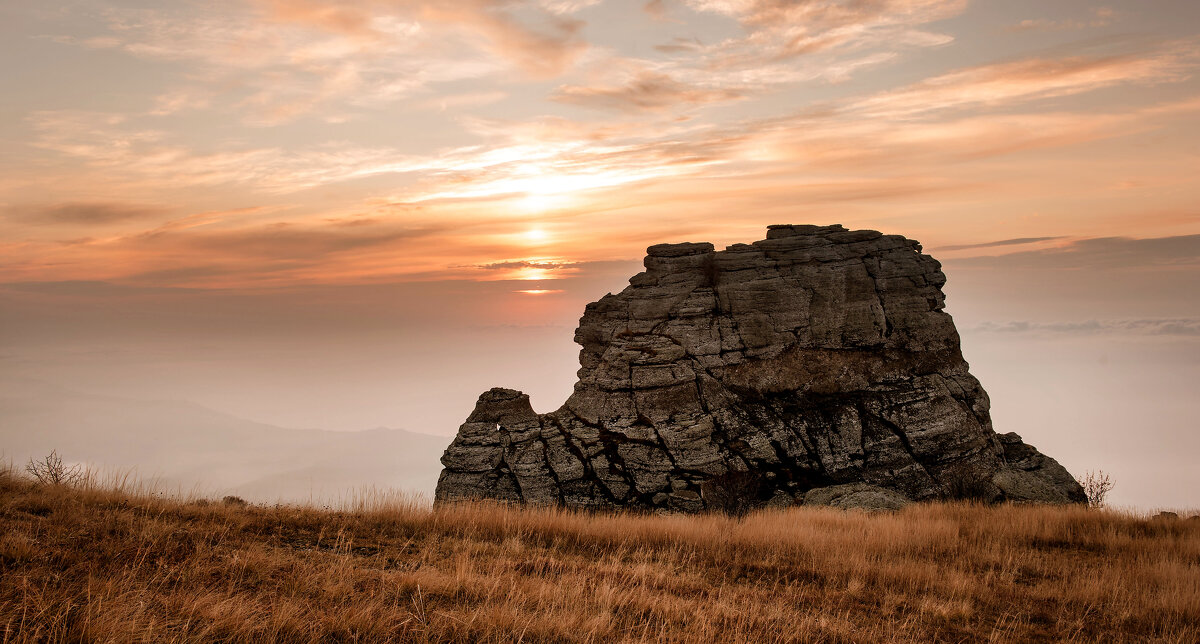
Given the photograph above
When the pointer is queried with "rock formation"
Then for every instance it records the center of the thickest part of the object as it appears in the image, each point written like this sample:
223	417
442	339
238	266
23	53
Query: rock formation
818	363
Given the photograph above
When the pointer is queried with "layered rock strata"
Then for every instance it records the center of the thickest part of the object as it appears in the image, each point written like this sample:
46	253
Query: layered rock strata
816	358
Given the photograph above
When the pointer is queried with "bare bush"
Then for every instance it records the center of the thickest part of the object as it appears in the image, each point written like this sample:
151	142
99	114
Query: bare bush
963	486
733	493
52	471
1096	485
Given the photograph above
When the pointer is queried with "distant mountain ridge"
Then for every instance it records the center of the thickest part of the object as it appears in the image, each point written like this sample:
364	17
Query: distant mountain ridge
187	447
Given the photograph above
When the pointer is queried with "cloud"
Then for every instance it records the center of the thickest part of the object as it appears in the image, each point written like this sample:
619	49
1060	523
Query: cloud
552	158
115	143
1101	17
969	114
567	6
543	51
1031	79
914	125
86	213
546	157
651	157
1099	253
782	29
558	161
343	18
784	43
470	99
545	265
219	253
540	53
1003	242
1189	327
87	288
679	45
183	274
656	9
647	90
179	100
910	126
268	71
282	240
273	61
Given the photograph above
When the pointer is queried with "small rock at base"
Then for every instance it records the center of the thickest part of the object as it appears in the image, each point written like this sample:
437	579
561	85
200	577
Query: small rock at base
862	496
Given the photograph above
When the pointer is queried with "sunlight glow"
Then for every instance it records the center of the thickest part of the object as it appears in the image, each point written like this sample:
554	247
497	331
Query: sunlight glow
538	291
536	235
542	202
530	273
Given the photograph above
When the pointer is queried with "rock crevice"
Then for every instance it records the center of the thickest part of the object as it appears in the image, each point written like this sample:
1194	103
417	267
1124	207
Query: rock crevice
815	358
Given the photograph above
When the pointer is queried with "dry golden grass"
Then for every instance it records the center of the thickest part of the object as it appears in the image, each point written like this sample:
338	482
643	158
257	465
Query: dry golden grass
106	565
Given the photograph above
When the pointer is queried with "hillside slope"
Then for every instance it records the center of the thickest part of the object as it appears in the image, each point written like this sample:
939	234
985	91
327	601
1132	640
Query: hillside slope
96	565
183	446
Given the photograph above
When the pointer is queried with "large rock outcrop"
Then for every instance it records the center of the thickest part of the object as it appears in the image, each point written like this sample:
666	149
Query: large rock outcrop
816	358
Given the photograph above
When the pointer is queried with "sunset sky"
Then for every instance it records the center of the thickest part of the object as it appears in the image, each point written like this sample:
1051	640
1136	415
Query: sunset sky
362	213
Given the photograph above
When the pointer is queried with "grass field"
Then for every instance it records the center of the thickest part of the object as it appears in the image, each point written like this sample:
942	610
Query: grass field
102	564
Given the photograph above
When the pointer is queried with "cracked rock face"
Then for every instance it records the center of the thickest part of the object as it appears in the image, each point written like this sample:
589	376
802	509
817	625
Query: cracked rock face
818	357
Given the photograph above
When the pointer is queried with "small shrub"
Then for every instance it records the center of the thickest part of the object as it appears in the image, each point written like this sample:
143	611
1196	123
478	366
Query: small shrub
734	493
1096	485
234	500
52	471
965	487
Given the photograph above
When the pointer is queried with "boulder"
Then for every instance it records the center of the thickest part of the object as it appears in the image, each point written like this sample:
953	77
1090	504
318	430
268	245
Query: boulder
812	359
1028	487
856	496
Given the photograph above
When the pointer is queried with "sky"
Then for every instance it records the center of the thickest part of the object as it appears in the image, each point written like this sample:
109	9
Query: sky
353	214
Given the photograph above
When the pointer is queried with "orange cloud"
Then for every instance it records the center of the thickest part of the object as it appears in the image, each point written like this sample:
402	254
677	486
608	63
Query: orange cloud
782	29
785	43
1180	251
1101	17
341	18
270	62
1032	79
647	90
544	52
85	213
134	156
394	199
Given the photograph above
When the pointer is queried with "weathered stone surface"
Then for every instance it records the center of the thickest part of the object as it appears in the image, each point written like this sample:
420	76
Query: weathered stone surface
815	358
856	496
781	500
1027	487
